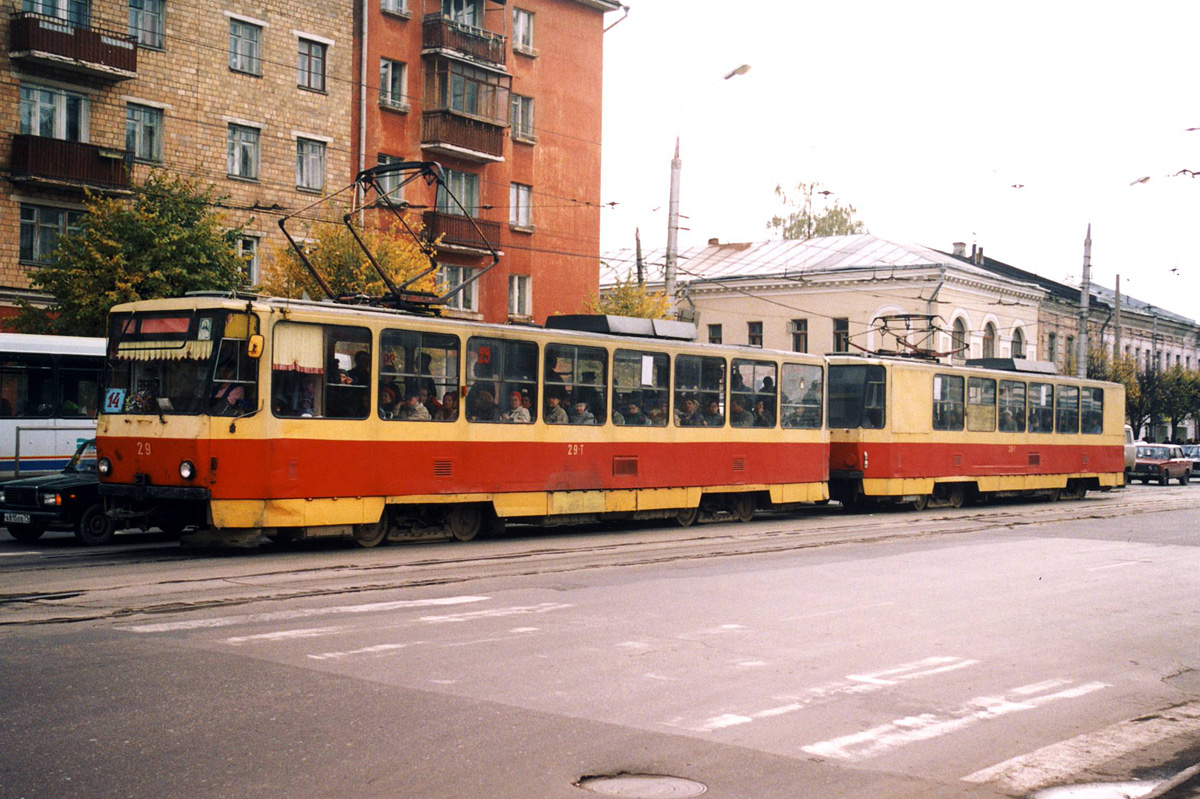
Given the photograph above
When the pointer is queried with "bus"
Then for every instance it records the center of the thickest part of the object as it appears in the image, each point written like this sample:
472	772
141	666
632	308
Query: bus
49	396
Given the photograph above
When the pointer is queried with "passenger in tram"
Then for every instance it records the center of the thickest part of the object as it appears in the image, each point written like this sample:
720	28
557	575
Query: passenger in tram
360	374
712	413
308	405
389	395
738	415
227	396
554	411
429	400
768	385
517	412
689	415
582	415
449	410
1008	422
763	415
633	414
483	407
425	381
413	410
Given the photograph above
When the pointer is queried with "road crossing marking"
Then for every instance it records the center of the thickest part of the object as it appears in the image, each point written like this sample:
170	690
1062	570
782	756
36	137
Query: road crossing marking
495	613
366	650
285	635
913	729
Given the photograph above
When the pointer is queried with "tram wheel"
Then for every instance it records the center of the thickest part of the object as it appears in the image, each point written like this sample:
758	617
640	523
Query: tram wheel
463	522
687	517
743	508
371	535
956	495
1054	495
921	502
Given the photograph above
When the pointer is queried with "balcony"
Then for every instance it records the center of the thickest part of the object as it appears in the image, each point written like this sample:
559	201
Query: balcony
477	44
48	41
457	232
462	137
70	164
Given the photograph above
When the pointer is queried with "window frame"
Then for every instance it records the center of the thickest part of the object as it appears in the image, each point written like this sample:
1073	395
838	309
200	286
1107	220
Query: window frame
581	359
465	186
146	118
754	334
393	84
715	334
523	32
245	47
521	118
701	390
949	402
1041	408
1007	402
153	35
1066	409
799	410
798	328
981	408
520	206
310	164
311	66
520	301
841	334
244	148
70	112
506	376
468	299
408	377
32	231
759	371
658	367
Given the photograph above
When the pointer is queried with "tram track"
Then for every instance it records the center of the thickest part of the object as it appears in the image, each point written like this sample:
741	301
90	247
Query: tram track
92	587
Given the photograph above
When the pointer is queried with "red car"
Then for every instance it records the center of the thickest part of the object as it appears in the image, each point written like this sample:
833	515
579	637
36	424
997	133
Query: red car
1162	462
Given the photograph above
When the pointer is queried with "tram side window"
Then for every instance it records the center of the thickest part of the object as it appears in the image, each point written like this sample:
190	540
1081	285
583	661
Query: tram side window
1091	412
501	371
418	376
1012	406
800	395
641	383
27	386
321	371
753	383
1041	408
579	377
1066	409
233	390
981	404
947	402
698	381
857	396
79	383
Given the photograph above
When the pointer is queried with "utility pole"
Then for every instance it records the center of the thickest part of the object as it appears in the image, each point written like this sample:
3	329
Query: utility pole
641	272
1117	324
672	230
1085	290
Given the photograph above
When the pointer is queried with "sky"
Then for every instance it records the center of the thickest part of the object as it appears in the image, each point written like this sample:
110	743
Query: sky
1011	126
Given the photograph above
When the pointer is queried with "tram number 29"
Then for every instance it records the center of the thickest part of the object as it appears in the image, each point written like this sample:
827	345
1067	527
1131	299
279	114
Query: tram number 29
574	449
143	448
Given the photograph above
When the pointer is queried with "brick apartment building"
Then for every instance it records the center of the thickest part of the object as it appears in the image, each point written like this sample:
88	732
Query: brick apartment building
267	101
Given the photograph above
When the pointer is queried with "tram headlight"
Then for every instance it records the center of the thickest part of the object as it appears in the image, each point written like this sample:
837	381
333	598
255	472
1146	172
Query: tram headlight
187	470
103	467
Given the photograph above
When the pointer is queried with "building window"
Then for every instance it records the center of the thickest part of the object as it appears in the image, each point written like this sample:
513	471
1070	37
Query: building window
799	331
146	22
1018	343
245	47
989	340
243	152
520	205
1052	347
465	187
394	6
53	113
454	276
310	65
310	164
143	132
40	228
392	78
1069	355
248	252
523	32
841	335
714	334
754	334
518	295
389	184
522	118
464	12
958	339
454	86
77	12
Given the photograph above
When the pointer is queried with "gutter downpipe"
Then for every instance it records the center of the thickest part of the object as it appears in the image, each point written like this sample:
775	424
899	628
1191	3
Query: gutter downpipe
362	110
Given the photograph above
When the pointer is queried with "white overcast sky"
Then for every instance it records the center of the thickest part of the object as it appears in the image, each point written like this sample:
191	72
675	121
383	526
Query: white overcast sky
923	115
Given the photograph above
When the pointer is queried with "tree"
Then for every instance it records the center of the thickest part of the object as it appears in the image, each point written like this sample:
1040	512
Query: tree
803	223
166	242
1123	371
630	298
333	251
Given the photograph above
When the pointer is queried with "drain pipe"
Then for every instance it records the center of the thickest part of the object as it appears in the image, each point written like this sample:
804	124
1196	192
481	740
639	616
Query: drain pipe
362	109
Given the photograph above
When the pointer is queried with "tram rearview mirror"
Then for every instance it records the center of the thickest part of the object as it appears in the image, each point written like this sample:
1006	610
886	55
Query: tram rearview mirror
254	347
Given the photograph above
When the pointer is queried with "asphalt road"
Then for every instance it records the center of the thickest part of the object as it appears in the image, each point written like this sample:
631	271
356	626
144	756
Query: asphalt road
988	651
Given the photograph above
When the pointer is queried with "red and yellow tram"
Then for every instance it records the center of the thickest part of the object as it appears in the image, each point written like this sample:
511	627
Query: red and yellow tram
293	419
903	430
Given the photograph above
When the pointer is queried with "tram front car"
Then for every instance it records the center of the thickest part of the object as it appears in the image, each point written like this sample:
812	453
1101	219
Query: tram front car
181	379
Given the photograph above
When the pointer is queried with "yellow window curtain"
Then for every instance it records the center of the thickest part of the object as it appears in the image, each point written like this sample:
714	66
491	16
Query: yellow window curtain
298	348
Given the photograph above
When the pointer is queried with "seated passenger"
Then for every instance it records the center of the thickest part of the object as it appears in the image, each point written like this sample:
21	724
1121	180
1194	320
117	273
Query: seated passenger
763	415
389	395
360	374
554	412
227	396
413	410
517	411
429	400
690	415
483	408
738	415
633	415
582	415
712	414
449	409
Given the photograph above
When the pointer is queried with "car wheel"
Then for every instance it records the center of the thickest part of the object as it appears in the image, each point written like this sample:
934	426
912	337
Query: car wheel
1163	479
93	527
26	533
1184	478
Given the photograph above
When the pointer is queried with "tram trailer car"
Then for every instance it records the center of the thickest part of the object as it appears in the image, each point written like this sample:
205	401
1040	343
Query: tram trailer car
926	433
292	419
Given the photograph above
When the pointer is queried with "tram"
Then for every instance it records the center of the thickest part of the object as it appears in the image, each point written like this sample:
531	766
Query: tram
928	433
250	416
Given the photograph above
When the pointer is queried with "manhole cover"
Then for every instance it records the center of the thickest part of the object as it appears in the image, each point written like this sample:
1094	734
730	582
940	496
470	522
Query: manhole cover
642	786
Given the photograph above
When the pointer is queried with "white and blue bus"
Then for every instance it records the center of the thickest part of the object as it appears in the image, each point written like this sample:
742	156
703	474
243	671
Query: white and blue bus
49	395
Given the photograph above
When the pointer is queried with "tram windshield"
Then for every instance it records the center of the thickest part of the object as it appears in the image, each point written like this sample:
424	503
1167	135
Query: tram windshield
856	396
182	363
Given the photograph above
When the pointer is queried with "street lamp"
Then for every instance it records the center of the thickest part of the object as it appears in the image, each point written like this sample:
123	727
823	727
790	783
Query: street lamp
673	204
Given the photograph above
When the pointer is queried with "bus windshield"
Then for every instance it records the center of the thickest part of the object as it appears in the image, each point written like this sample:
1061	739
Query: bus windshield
181	362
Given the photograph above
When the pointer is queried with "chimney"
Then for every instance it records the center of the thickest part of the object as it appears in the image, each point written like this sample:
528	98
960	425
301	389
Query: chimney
714	242
959	249
979	256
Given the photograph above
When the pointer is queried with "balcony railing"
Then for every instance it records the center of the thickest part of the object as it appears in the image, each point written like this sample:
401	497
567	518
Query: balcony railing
462	136
57	42
457	231
39	158
446	34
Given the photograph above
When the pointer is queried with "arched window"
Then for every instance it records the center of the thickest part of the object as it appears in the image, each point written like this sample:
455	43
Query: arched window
1018	344
989	340
959	339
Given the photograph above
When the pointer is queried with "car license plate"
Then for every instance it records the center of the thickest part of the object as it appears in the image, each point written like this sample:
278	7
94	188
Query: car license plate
17	518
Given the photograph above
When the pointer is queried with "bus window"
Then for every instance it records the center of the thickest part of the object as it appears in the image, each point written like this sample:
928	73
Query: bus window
981	404
857	396
1066	409
579	376
753	382
1091	413
500	368
79	386
698	379
27	385
1041	408
947	402
418	371
1012	406
641	381
800	395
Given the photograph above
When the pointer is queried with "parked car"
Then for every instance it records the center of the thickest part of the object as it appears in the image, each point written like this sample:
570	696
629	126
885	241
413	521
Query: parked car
1130	454
66	500
1193	451
1162	462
